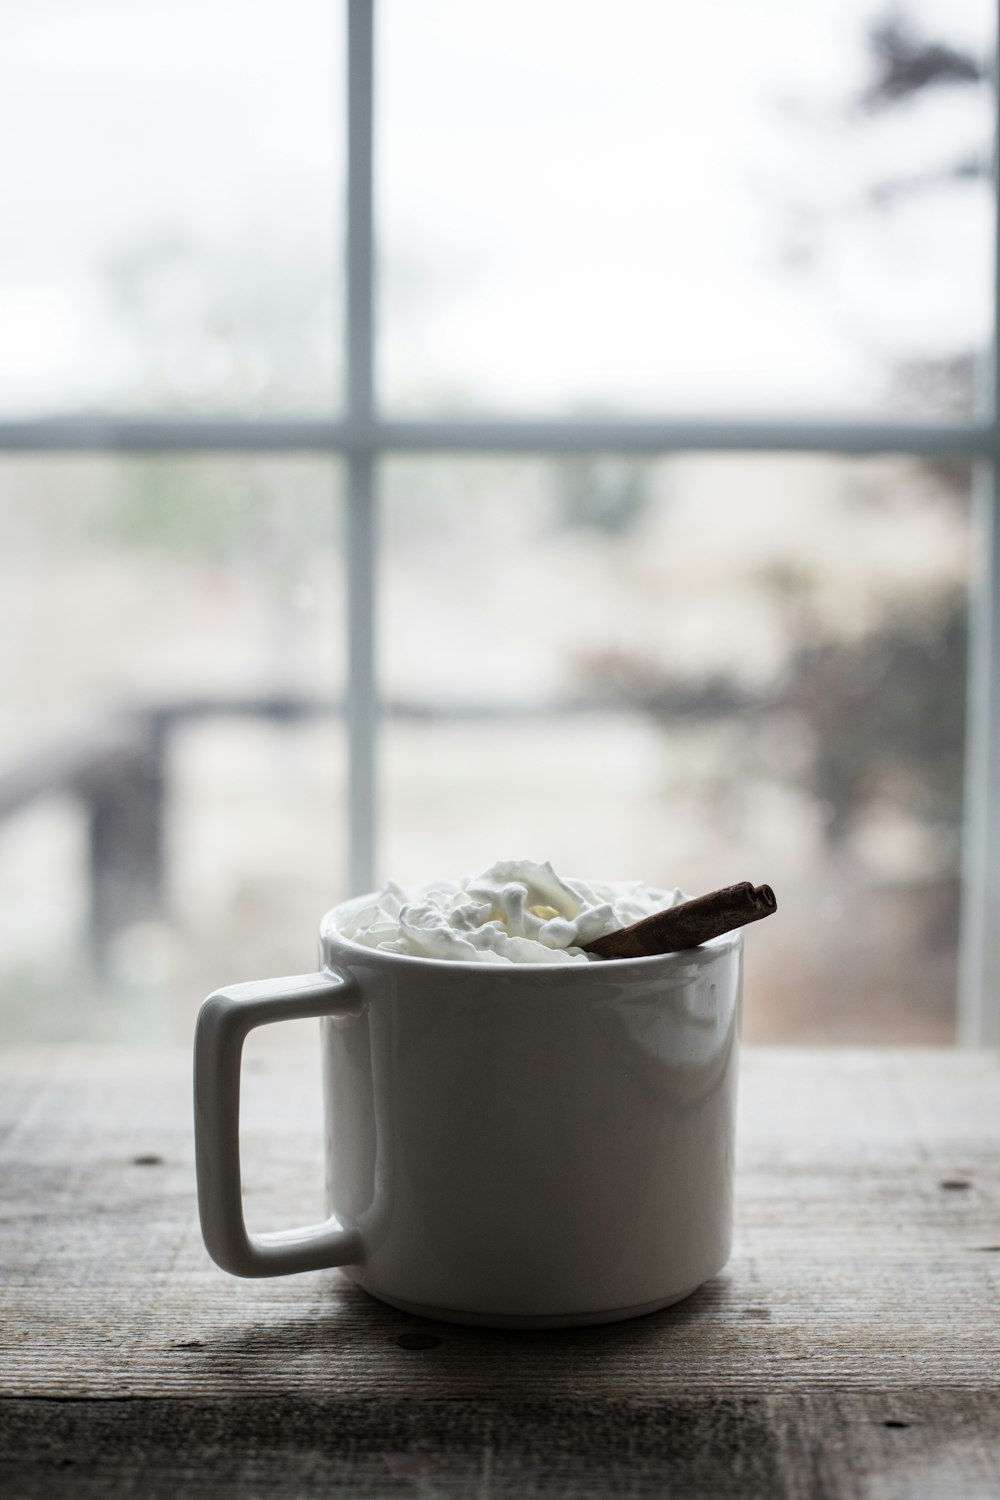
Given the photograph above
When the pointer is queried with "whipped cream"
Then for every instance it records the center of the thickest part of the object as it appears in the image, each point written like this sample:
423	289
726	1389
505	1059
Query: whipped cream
516	912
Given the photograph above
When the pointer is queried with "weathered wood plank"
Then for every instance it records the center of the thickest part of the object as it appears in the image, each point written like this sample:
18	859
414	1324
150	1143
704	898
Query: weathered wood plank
818	1447
863	1289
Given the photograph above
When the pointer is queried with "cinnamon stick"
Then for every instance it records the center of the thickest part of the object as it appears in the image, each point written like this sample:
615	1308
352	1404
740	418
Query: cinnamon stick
689	924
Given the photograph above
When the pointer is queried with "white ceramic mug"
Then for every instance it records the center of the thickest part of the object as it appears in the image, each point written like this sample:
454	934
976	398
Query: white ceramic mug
532	1145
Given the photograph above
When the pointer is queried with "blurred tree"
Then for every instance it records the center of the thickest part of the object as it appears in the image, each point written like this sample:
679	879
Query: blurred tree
604	493
887	715
905	63
219	330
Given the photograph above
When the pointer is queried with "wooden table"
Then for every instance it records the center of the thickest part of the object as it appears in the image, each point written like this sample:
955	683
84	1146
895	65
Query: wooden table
850	1348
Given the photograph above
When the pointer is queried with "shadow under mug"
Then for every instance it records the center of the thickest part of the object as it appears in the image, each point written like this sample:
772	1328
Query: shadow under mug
532	1145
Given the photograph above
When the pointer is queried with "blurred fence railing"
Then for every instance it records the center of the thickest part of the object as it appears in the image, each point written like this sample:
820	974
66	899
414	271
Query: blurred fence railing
119	771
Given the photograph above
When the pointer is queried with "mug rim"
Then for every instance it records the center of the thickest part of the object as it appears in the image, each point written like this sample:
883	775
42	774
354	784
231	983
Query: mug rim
703	954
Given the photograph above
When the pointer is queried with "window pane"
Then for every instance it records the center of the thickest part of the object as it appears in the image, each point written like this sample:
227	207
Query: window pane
172	176
172	786
766	207
693	672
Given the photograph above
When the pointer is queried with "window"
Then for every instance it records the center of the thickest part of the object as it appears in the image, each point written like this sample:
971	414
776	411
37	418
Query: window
645	524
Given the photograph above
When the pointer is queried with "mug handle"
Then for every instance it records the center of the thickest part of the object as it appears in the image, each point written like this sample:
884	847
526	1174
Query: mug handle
224	1021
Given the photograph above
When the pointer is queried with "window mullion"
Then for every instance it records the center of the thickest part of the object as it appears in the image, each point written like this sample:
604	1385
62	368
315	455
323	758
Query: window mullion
361	430
361	534
979	951
979	939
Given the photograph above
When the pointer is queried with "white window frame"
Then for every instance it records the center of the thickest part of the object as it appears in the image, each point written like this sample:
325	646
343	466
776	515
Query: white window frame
363	438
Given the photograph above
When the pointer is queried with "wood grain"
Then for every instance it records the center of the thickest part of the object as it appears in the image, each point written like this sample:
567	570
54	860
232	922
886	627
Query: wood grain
851	1347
